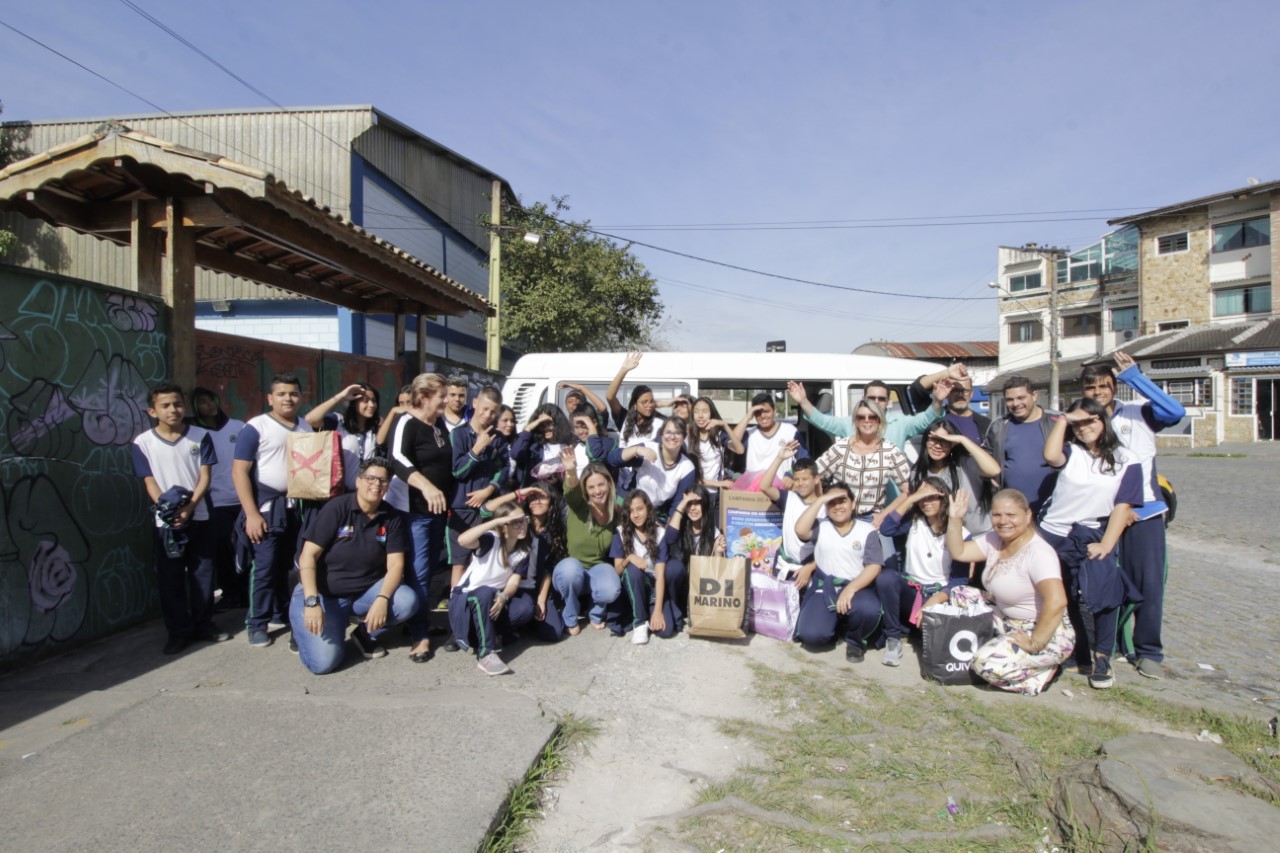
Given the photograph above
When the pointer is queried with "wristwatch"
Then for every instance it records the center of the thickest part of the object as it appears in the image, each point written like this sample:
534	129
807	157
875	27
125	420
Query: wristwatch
311	601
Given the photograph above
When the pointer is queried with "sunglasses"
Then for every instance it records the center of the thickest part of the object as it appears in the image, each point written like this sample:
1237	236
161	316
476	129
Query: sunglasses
880	400
867	419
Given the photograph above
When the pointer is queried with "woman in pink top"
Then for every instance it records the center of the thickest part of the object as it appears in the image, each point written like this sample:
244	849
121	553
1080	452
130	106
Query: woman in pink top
1024	582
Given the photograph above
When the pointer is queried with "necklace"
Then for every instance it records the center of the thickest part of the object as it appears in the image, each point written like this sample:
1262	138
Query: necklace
935	540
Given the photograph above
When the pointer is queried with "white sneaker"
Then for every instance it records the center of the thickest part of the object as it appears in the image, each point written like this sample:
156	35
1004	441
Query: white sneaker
892	652
640	635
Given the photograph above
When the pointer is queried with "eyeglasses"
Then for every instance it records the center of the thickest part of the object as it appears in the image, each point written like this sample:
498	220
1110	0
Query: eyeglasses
938	442
867	419
880	400
539	498
380	482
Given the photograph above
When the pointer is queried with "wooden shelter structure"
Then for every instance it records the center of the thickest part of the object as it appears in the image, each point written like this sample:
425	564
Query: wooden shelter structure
181	209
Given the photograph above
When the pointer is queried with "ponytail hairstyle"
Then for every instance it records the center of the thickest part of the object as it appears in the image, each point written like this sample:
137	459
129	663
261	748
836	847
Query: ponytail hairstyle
562	430
1108	442
702	542
636	422
649	532
522	544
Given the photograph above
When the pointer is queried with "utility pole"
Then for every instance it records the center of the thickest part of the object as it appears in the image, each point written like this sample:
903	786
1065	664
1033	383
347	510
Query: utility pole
1051	254
492	325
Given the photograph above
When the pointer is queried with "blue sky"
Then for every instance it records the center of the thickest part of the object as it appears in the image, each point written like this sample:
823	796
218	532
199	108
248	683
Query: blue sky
664	113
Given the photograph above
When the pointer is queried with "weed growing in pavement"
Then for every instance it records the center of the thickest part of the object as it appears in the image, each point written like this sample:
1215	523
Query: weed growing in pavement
525	801
852	763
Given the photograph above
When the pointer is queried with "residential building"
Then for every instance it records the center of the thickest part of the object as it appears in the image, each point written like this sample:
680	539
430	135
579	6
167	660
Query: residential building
1185	289
980	357
357	162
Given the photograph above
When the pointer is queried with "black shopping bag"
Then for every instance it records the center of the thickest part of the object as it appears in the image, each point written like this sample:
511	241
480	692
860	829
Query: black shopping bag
949	641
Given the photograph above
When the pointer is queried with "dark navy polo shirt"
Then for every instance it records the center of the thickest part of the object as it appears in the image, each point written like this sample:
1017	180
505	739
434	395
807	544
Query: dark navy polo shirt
355	545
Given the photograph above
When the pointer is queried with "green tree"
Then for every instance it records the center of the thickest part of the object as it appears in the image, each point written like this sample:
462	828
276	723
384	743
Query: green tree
573	290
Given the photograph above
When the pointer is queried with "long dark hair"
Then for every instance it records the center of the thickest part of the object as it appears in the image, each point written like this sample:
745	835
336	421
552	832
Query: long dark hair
562	430
958	455
553	523
1108	442
628	529
944	489
695	434
703	542
636	422
351	417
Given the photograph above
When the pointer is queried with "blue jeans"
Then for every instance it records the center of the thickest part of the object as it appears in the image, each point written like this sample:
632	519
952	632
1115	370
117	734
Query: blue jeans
601	580
324	652
427	533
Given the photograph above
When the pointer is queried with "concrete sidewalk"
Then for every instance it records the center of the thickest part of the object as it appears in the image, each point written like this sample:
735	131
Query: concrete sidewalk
227	747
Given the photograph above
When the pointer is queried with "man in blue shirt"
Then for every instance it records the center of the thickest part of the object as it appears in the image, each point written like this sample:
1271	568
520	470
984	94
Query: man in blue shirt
1017	443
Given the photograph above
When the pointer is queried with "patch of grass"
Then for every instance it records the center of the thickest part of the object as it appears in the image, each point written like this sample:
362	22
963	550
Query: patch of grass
75	721
1215	455
525	801
848	757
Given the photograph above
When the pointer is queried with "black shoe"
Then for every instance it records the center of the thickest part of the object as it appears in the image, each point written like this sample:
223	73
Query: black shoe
452	645
293	644
175	645
854	653
213	635
368	646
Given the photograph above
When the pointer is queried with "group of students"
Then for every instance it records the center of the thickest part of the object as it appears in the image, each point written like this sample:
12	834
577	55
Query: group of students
1053	518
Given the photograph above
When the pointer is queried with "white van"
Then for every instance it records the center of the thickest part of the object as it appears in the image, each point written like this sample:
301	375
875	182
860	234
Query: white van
834	382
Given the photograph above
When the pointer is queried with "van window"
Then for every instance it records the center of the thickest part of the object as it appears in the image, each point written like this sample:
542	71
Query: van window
661	391
897	394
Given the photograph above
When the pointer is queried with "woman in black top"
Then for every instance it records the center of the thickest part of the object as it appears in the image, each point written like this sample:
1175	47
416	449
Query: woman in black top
423	458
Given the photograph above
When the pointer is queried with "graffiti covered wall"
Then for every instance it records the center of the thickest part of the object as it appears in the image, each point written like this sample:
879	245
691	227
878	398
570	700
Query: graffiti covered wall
76	360
238	370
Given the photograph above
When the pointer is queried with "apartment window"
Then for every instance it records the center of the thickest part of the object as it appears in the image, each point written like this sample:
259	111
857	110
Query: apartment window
1242	235
1172	325
1172	243
1174	363
1030	281
1025	331
1191	392
1124	319
1080	325
1241	396
1242	300
1125	394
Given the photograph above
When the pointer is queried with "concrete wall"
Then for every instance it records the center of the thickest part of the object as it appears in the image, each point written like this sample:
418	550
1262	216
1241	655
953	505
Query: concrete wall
76	360
306	330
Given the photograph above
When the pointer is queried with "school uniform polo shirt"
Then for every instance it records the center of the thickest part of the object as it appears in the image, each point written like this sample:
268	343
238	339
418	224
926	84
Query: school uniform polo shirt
844	557
175	463
355	545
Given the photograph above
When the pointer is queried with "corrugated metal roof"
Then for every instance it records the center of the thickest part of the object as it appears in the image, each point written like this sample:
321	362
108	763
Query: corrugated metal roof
94	171
930	350
307	148
1203	201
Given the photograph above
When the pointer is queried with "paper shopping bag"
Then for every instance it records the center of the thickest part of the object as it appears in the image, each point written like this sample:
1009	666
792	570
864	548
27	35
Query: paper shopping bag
315	465
717	596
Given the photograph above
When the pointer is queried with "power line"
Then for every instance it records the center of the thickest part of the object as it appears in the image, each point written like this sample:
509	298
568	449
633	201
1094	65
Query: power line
878	219
874	225
775	275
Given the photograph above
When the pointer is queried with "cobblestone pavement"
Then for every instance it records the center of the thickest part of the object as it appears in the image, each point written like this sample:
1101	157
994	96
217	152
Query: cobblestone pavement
1222	603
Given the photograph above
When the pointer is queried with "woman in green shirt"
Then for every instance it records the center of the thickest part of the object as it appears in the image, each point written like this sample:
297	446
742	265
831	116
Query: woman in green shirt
591	521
